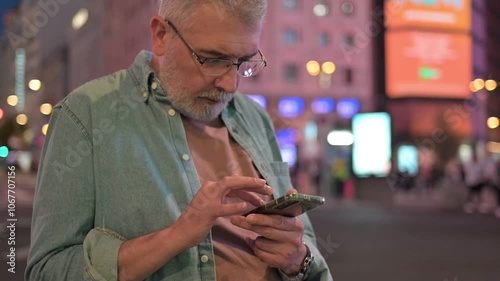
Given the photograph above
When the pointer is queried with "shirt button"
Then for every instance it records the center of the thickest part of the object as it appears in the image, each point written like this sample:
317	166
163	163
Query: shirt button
171	112
145	95
185	157
154	85
204	258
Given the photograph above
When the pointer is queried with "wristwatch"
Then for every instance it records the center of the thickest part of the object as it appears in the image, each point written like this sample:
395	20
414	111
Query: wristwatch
304	270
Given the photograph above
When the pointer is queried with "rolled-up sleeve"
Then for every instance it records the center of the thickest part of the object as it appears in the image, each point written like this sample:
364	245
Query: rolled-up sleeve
100	250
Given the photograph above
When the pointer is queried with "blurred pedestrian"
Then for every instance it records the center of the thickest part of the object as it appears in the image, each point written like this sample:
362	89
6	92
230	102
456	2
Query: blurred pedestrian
491	180
340	173
497	187
474	182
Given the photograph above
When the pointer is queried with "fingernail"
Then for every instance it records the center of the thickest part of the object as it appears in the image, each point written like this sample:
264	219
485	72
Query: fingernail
235	220
262	202
249	241
251	218
261	181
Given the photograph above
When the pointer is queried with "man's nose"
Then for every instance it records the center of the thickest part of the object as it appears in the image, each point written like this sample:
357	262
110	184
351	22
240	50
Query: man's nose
229	81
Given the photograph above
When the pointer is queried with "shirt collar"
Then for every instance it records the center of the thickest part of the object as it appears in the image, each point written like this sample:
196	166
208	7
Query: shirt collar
144	75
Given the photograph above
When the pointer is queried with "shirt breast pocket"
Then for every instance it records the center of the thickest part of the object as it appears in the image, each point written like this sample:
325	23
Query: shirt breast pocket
279	178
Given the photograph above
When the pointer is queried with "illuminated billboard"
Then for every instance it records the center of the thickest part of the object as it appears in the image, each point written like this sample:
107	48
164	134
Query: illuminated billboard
452	15
371	154
427	64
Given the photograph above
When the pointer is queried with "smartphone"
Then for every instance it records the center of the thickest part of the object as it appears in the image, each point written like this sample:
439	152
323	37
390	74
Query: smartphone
290	205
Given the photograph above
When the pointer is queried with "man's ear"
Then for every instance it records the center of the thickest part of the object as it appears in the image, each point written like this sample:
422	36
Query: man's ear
158	32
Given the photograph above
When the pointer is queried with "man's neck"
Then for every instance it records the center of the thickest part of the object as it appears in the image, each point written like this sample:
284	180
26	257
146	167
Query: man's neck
216	123
154	65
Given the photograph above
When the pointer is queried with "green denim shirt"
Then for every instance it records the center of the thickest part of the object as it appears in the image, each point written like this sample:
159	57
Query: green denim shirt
116	165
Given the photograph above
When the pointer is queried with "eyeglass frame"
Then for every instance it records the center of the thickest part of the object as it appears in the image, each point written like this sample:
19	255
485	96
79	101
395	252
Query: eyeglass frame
230	63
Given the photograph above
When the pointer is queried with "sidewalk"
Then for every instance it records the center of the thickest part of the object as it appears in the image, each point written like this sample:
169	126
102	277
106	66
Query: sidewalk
444	195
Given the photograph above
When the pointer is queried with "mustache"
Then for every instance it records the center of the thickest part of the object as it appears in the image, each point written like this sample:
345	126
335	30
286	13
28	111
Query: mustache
217	95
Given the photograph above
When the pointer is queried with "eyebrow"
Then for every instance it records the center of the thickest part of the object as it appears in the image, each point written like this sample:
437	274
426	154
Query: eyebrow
219	54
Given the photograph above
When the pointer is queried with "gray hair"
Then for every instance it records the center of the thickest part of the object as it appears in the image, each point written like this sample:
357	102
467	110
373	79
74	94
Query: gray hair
181	12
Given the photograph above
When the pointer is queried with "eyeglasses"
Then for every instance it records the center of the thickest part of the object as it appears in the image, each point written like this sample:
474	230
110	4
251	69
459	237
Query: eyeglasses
218	67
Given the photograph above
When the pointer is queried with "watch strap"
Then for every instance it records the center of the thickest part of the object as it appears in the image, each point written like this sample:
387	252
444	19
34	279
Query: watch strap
304	270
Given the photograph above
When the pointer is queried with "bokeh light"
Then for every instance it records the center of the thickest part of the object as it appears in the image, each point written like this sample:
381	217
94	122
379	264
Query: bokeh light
313	68
35	85
22	119
493	122
46	109
45	128
490	85
12	100
328	67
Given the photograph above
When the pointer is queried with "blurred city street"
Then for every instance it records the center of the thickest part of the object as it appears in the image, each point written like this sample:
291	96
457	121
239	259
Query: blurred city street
361	239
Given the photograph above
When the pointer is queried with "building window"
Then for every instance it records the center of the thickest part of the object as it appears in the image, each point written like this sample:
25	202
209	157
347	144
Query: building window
291	73
348	41
348	76
290	36
323	39
347	8
290	4
321	9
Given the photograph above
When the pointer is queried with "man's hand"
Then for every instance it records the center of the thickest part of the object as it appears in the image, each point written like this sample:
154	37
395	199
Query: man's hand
280	241
210	203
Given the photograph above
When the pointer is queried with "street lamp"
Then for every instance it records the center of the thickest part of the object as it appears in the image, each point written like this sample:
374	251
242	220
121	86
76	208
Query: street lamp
12	100
35	85
324	71
313	68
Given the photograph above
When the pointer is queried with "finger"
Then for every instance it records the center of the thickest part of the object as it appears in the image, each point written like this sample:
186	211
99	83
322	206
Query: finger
240	221
276	221
271	233
288	254
292	191
247	183
231	209
272	259
250	197
284	247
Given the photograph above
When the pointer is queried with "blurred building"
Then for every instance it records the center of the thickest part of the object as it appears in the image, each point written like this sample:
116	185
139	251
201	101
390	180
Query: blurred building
320	73
432	51
297	32
116	31
36	70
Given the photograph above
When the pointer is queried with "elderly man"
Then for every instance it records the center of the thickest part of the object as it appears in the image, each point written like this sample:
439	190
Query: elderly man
145	173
